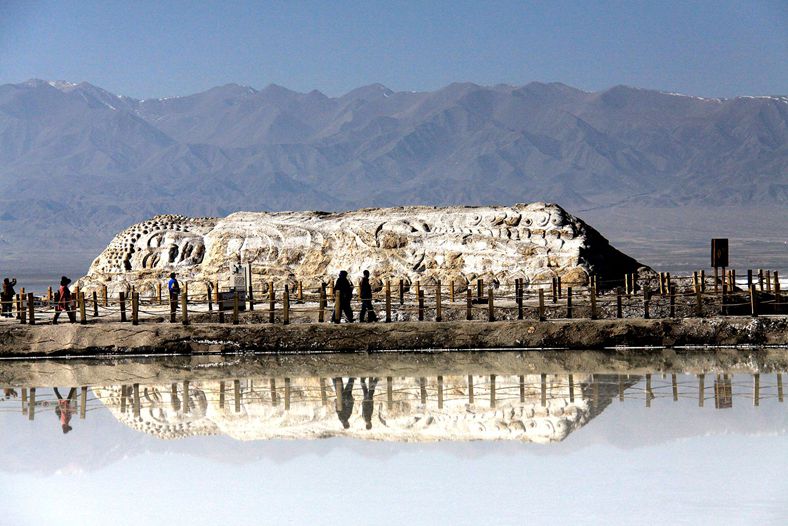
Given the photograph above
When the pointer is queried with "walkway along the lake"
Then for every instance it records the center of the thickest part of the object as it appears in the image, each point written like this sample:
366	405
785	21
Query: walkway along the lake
658	311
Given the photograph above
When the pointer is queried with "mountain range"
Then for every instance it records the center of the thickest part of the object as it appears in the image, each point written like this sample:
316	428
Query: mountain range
78	163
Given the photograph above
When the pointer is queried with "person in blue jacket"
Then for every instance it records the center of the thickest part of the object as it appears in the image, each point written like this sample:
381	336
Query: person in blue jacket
175	290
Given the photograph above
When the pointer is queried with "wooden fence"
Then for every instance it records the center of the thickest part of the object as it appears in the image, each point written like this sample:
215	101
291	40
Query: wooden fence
645	297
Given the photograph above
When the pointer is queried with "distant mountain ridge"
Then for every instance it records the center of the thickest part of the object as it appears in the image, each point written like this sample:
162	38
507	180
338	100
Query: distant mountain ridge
78	163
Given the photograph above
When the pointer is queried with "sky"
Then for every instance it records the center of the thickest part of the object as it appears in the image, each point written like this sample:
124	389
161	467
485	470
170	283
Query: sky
148	49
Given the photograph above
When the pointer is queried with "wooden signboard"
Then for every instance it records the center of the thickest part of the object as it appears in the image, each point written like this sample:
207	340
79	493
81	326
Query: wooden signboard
719	253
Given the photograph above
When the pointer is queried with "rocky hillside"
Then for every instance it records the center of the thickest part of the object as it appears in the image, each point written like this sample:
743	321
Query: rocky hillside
78	163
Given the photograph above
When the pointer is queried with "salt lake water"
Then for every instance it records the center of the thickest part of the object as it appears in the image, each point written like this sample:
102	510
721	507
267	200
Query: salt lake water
559	437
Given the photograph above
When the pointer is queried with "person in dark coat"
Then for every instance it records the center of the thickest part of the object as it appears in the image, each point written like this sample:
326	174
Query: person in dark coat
7	296
366	300
346	394
345	289
64	302
368	404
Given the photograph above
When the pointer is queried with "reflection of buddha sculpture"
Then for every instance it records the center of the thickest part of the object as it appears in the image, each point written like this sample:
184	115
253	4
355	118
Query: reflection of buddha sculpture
531	408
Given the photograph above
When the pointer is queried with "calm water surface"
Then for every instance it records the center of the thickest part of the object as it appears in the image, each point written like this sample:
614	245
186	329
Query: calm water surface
463	438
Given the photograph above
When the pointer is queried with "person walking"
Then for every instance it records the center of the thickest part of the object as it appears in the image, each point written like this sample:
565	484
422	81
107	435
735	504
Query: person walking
7	296
175	291
366	300
345	289
64	302
65	408
368	404
345	394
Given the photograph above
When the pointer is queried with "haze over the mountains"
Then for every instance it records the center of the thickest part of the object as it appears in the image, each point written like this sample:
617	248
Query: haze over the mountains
78	163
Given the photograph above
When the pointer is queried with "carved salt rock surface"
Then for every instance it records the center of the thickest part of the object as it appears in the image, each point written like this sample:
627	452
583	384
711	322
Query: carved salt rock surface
407	419
536	242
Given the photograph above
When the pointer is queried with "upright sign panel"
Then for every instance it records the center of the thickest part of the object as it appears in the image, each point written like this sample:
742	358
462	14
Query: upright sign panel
719	252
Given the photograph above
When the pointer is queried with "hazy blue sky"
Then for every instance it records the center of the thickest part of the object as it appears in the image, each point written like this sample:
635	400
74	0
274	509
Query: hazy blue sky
153	49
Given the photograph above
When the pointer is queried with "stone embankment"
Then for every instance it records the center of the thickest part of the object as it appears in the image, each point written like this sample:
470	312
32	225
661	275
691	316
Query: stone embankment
160	338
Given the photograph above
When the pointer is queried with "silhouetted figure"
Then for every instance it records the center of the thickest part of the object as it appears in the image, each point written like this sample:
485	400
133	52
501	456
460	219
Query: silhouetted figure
65	409
345	289
346	393
366	300
64	302
368	404
7	296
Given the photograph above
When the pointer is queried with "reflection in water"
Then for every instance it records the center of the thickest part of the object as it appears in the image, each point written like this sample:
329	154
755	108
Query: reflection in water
470	396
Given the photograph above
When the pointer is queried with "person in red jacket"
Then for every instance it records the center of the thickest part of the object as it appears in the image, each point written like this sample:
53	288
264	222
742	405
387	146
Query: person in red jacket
64	302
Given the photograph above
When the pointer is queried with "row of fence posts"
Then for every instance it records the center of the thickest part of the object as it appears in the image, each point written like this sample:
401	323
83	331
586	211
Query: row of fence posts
26	313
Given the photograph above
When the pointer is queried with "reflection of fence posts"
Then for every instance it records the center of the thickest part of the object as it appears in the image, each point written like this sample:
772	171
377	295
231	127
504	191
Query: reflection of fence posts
31	404
701	389
470	387
83	403
756	389
421	302
469	304
569	310
222	396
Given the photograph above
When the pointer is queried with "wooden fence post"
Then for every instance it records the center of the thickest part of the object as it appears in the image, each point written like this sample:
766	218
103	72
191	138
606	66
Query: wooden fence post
388	301
479	288
541	305
49	296
236	308
321	312
626	284
31	308
401	292
490	306
702	280
777	295
158	293
569	310
451	291
519	299
184	309
300	291
216	292
768	281
337	310
753	301
421	304
749	278
555	290
251	290
135	308
82	317
560	287
95	304
122	301
21	311
209	296
593	302
104	299
469	304
438	310
417	290
286	306
271	302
